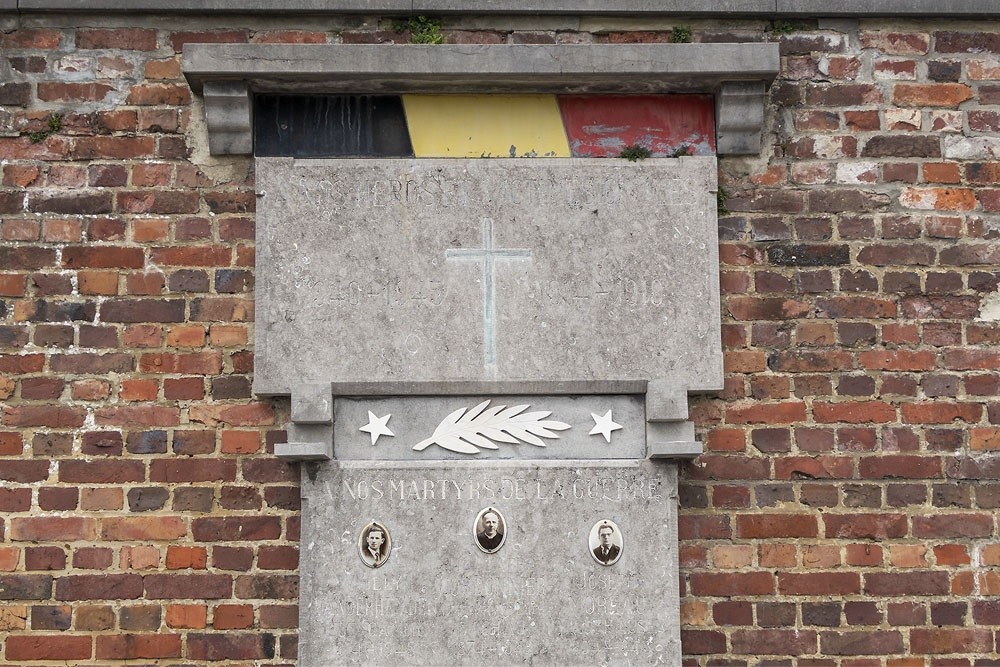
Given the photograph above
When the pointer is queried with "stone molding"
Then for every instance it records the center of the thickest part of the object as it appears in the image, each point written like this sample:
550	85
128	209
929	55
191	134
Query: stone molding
738	74
694	8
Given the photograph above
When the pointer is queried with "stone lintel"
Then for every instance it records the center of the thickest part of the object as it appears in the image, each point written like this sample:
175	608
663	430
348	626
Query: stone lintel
691	8
229	117
228	73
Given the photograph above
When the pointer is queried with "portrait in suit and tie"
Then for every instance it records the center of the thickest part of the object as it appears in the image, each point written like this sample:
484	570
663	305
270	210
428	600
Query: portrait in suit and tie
374	545
606	542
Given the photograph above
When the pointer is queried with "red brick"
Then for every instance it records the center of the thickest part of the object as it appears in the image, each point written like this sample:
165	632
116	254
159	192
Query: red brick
137	39
278	558
99	587
819	583
252	414
865	526
941	413
716	584
228	529
195	363
813	467
137	647
53	416
926	641
776	525
896	584
125	148
868	642
50	529
232	617
137	416
101	472
59	91
931	95
900	466
180	558
774	642
953	525
142	528
188	586
854	412
48	647
192	470
187	616
229	646
763	413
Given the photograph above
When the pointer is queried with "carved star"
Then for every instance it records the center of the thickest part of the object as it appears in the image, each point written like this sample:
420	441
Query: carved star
604	426
377	427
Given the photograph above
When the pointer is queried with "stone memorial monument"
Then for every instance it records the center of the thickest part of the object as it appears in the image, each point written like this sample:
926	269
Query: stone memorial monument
488	360
493	354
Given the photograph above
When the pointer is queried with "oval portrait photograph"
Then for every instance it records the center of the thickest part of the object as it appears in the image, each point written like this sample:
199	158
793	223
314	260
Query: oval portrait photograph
606	542
489	529
374	544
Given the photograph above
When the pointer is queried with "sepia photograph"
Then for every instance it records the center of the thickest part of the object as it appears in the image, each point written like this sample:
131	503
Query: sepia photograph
606	542
374	545
490	530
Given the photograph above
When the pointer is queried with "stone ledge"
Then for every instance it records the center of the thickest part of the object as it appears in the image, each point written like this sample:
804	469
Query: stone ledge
228	74
758	8
372	68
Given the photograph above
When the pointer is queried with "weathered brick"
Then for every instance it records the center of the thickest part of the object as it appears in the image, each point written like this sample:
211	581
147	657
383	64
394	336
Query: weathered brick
230	646
99	587
138	39
236	528
138	647
188	586
49	647
25	587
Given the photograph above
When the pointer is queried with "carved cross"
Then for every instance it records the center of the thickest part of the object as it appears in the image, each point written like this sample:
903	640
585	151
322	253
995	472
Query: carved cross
487	253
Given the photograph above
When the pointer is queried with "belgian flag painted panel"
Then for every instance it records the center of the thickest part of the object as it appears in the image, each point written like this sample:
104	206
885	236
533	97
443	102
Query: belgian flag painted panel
666	125
330	126
485	126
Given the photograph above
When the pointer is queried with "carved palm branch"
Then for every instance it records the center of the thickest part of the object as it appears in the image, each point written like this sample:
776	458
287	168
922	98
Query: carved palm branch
465	430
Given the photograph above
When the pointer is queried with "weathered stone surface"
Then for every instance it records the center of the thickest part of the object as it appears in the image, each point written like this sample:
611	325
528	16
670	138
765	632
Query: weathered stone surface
439	600
603	270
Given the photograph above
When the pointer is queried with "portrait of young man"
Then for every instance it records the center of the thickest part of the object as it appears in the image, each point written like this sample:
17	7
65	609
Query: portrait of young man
374	545
606	542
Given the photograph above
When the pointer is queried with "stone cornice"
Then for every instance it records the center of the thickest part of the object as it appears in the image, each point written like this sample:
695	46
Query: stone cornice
693	8
228	74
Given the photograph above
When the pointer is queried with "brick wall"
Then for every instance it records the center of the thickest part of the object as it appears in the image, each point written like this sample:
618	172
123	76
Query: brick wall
844	513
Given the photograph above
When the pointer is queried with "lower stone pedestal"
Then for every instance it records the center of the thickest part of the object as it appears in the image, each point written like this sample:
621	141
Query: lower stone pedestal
439	598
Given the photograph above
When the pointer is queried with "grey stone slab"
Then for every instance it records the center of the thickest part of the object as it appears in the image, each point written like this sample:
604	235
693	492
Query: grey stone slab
304	451
415	420
374	271
370	68
862	8
541	599
8	6
767	8
520	387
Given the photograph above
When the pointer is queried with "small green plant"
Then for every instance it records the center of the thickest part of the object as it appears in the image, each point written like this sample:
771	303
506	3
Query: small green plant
681	34
780	27
423	30
721	197
54	125
680	151
634	152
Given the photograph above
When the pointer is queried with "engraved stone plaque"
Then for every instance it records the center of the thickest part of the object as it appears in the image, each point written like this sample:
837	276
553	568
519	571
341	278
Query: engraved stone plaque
486	271
441	599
